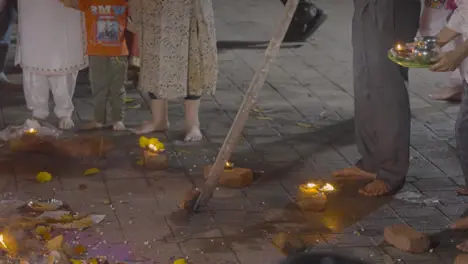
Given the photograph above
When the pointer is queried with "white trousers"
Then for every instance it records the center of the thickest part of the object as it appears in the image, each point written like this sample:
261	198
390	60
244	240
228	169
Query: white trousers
37	88
432	22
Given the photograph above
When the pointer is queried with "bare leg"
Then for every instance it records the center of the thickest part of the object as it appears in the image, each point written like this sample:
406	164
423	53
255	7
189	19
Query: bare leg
159	121
451	93
192	122
461	223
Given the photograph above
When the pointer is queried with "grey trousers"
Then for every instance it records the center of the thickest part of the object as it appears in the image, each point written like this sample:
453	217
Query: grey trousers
461	133
382	110
107	76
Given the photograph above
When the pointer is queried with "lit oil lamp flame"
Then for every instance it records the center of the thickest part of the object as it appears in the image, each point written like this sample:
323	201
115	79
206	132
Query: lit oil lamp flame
2	242
228	165
311	185
327	188
31	131
399	47
153	148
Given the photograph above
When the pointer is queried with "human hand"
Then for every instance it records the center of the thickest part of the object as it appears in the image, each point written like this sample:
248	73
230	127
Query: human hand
447	61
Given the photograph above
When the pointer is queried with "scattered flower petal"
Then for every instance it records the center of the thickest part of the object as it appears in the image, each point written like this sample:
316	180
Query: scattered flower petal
43	177
305	125
264	118
91	171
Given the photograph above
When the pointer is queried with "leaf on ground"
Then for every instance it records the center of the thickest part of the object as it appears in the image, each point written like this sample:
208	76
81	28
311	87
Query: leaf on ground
91	171
55	243
305	125
136	106
183	151
79	249
257	110
264	118
43	177
129	100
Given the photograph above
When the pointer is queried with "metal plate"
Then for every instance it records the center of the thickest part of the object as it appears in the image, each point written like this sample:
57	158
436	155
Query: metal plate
43	205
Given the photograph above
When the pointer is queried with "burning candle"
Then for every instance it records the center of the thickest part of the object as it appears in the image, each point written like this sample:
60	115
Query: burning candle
8	243
228	165
399	47
154	156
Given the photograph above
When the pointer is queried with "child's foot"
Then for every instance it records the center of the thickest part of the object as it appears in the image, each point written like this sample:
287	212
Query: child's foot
119	126
91	126
193	134
66	123
149	127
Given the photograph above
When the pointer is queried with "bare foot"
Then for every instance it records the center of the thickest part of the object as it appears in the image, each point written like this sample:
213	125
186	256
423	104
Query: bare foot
193	134
463	246
119	126
453	93
461	259
91	126
462	191
461	223
375	188
149	127
66	123
354	173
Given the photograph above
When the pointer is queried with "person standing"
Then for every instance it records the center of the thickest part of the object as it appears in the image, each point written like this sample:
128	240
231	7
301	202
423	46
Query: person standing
108	57
178	58
8	11
433	19
382	110
51	51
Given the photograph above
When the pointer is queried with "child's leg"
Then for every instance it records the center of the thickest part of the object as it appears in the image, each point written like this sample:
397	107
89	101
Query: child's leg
99	78
461	135
118	72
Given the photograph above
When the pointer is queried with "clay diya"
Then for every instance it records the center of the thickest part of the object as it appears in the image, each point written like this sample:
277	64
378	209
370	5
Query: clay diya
232	177
154	154
313	196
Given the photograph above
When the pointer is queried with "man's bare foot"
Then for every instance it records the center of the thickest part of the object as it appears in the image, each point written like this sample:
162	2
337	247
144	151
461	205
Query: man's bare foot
375	188
119	126
462	191
354	173
193	134
149	127
463	246
453	93
461	223
66	123
91	126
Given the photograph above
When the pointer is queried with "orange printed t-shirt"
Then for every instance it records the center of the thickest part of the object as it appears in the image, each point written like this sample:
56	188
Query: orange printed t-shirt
106	21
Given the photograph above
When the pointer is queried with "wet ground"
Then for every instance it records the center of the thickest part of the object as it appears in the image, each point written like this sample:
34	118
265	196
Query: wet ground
301	130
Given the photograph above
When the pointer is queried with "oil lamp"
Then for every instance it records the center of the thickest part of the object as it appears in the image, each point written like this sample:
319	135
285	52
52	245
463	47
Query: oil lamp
8	244
31	131
155	158
228	165
313	196
232	177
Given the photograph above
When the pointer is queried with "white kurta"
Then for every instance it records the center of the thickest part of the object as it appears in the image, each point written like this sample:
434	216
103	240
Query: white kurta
51	37
51	50
459	23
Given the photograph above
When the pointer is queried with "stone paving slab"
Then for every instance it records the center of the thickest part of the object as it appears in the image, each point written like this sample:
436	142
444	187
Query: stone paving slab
302	129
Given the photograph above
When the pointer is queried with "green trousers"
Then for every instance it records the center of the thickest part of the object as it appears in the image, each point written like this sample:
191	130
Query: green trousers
107	76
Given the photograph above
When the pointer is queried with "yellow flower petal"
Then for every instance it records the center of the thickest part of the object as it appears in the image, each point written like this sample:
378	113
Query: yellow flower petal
76	261
264	118
180	261
153	141
40	230
92	261
43	177
140	162
91	171
129	100
305	125
144	142
160	146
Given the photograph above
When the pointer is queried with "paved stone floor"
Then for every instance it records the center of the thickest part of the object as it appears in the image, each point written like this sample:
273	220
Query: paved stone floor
309	84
